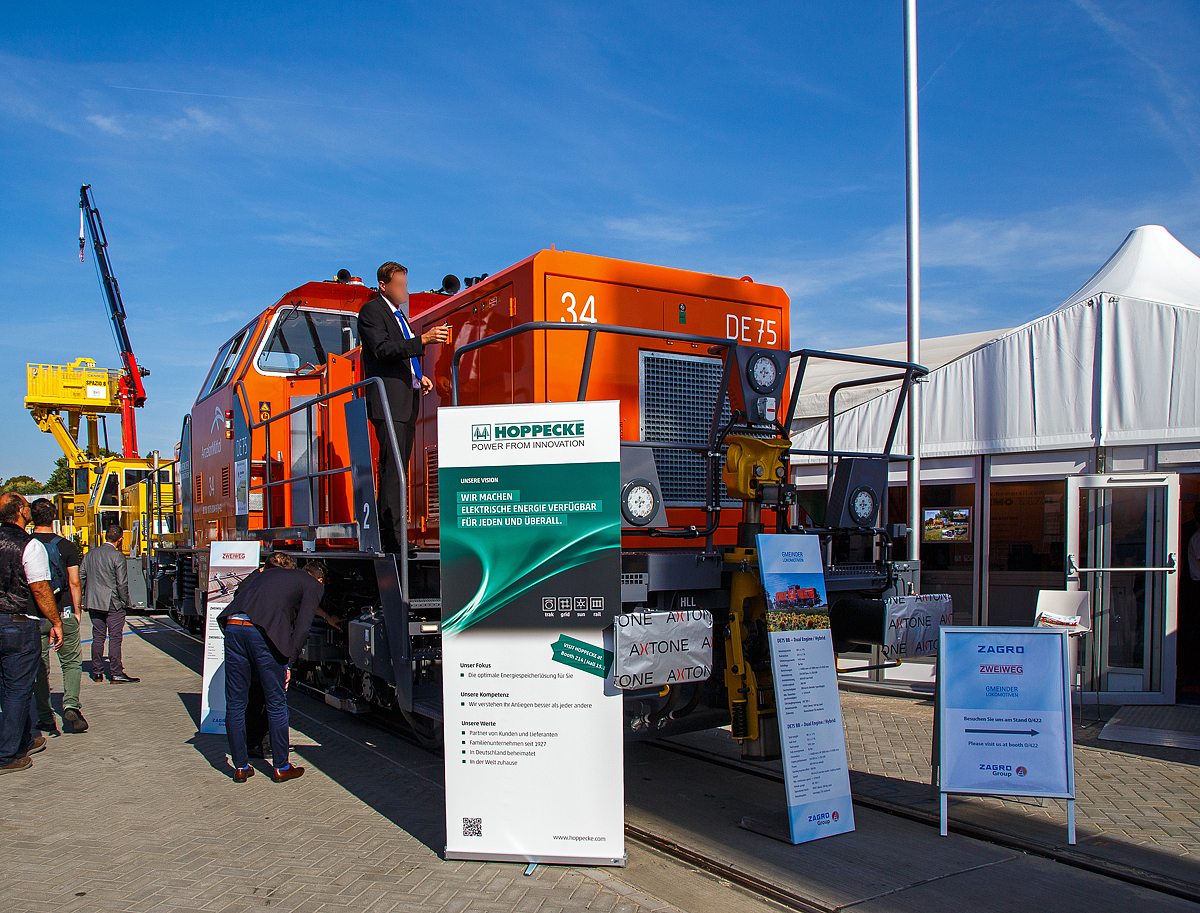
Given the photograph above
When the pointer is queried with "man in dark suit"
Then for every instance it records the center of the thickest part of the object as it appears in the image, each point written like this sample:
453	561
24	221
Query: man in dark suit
266	626
105	578
392	352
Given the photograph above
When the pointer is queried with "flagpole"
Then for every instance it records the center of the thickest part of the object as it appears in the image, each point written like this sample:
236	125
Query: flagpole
913	232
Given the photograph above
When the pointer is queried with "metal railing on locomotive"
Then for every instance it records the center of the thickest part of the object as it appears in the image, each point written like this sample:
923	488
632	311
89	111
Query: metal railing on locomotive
712	450
311	478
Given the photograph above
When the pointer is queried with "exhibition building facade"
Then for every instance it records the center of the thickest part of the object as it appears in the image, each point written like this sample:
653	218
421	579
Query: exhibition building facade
1060	455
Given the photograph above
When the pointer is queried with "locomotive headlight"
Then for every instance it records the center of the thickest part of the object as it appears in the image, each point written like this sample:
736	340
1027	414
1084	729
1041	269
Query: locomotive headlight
863	505
639	502
762	372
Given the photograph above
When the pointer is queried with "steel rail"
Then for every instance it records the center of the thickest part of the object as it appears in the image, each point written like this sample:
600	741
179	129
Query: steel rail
1162	884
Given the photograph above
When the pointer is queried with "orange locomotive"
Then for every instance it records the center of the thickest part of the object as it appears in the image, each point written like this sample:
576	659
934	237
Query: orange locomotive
277	448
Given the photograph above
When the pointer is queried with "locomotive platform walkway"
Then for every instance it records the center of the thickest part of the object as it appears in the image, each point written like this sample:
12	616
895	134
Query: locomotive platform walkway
139	815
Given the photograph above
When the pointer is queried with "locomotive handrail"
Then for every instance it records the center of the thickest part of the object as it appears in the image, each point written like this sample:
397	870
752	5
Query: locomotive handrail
309	476
590	328
911	372
712	506
906	377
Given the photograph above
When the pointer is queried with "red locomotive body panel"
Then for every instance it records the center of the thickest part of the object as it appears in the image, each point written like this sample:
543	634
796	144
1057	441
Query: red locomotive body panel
305	345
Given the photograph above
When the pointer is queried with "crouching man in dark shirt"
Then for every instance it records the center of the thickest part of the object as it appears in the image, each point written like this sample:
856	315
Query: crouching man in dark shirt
266	626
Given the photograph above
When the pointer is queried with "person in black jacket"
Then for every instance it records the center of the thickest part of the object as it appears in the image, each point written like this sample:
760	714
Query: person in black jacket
392	352
265	627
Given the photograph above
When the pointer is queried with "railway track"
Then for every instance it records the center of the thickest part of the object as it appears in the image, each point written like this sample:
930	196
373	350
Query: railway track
756	885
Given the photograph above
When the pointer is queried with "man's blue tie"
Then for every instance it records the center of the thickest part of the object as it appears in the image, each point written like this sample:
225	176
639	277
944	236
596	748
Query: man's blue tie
416	362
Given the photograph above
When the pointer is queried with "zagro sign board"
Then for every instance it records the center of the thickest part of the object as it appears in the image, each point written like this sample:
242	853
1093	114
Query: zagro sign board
1004	718
229	563
806	690
531	578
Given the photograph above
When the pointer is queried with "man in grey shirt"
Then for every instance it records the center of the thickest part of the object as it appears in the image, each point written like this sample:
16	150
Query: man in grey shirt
105	580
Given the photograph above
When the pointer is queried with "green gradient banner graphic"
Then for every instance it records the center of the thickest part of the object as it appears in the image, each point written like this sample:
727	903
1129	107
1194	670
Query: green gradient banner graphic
530	546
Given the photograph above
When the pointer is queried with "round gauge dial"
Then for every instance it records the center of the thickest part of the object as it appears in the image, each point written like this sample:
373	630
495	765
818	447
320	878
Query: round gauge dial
639	502
863	505
763	373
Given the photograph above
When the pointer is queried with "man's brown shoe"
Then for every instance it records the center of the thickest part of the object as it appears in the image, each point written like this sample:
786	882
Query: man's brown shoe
18	764
243	774
38	744
288	773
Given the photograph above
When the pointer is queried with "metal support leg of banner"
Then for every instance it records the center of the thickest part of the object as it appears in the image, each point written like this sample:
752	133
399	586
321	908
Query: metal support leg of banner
945	817
533	865
936	759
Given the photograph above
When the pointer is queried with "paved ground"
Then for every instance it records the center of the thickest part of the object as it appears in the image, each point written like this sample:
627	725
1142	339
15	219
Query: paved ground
1136	805
1137	794
139	815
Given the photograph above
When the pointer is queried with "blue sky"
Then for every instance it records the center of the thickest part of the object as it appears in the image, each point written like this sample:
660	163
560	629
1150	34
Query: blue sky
235	154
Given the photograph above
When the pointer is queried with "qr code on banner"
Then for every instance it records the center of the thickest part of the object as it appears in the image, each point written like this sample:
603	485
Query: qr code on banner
472	827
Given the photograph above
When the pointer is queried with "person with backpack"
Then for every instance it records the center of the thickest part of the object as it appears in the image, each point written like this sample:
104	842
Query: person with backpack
68	594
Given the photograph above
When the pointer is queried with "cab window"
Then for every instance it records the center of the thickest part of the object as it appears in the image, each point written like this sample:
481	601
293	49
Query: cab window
227	360
112	495
303	337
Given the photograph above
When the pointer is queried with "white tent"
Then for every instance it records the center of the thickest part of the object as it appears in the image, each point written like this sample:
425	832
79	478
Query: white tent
1117	363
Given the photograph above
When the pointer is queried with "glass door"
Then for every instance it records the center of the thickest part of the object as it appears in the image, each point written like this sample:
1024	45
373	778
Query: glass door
1123	547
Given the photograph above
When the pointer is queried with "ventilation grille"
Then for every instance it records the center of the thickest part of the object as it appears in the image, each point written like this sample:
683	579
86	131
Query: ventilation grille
199	489
224	481
432	498
679	393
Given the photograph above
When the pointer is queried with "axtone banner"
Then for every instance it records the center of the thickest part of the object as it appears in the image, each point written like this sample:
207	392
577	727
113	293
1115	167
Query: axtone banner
531	578
229	563
913	623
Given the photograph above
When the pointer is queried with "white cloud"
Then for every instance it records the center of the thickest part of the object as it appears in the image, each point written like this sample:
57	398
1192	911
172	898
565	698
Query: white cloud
194	122
658	228
106	124
1182	128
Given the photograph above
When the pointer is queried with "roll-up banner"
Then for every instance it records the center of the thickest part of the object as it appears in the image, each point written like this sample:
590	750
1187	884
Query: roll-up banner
804	670
229	563
531	578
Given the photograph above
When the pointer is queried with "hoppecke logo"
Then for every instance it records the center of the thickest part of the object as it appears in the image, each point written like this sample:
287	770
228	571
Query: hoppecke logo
521	432
481	432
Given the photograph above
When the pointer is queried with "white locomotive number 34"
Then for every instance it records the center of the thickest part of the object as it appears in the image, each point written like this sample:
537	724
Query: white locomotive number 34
587	315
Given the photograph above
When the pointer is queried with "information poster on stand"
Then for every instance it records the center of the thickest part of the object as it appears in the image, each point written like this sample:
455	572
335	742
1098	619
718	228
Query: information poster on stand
531	578
1004	722
806	691
229	563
